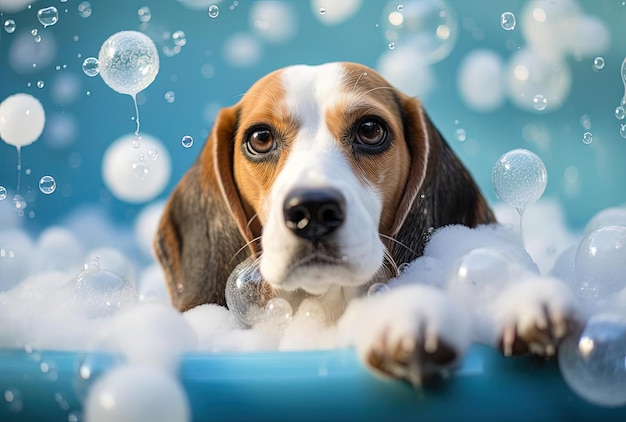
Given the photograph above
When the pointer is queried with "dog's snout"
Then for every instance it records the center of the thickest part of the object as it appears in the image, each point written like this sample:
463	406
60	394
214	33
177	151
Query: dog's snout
314	213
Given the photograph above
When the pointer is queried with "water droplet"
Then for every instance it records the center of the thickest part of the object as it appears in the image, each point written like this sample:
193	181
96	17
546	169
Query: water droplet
48	16
37	40
400	7
377	288
91	66
598	63
587	138
392	45
187	141
47	184
145	14
84	9
622	131
214	11
620	113
40	84
3	193
179	38
507	21
322	11
34	32
170	96
540	102
460	134
153	154
9	26
519	178
19	202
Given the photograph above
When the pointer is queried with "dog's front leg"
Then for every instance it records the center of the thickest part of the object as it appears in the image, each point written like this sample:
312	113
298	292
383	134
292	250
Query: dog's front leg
409	332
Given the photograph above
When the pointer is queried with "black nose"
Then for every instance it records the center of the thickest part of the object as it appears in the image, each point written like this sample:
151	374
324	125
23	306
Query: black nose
314	213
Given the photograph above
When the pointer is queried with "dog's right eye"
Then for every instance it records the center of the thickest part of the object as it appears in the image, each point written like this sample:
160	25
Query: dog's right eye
261	141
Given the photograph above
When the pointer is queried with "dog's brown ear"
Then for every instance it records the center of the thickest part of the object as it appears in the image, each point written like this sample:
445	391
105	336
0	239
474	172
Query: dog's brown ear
203	225
439	190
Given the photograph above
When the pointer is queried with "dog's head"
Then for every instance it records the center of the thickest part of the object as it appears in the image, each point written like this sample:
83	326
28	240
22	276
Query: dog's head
328	174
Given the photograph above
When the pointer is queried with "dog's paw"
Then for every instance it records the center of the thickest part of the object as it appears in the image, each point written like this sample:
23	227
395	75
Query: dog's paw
533	316
410	332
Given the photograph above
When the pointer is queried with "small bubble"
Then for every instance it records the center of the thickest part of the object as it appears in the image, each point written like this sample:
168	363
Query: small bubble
587	138
91	66
20	203
622	130
585	121
179	38
214	11
170	96
140	168
48	16
9	26
40	84
34	32
400	7
28	172
507	21
620	113
153	154
136	143
322	11
84	9
47	185
145	14
391	45
76	38
598	63
540	102
37	40
3	193
13	398
88	93
460	135
187	141
377	288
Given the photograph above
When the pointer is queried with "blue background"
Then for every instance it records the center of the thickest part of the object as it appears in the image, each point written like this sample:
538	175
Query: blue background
105	115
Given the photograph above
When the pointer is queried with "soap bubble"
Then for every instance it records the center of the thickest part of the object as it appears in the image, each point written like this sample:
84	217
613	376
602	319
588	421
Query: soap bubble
620	113
540	102
113	260
47	185
48	16
600	262
278	310
274	21
587	138
330	12
170	96
481	80
187	141
9	26
22	119
214	11
615	216
91	66
406	69
179	38
3	193
528	75
622	131
377	288
427	26
137	393
129	62
144	14
247	294
507	21
519	178
84	9
101	293
594	363
598	63
242	50
120	167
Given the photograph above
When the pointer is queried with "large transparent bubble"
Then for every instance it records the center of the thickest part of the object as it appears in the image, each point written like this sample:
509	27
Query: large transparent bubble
600	263
519	178
594	363
247	294
129	62
427	26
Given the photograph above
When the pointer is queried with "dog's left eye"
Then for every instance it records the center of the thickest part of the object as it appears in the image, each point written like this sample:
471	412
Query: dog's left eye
261	141
371	132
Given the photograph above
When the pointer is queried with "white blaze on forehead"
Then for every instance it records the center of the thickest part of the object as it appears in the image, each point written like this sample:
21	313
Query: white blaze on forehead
310	90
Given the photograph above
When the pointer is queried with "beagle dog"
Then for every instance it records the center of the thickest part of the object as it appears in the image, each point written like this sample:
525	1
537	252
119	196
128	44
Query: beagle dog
331	178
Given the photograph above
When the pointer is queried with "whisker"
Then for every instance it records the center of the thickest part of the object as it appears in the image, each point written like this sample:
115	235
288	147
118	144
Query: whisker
397	242
256	239
357	81
256	215
390	263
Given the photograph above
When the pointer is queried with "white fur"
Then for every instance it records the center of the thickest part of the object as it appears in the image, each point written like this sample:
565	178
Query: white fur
316	161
